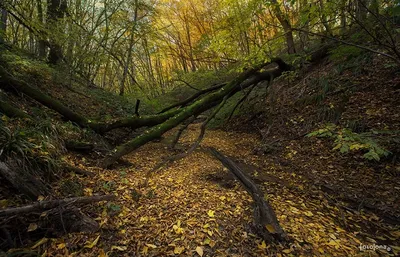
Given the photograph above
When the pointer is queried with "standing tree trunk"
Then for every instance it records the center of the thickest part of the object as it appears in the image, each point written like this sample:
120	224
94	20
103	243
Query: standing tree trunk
287	27
189	41
41	41
56	10
361	11
343	19
324	19
3	24
304	23
374	6
129	54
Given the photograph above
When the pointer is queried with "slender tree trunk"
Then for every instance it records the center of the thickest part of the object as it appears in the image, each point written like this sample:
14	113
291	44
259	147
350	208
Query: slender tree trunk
3	24
127	63
129	54
361	11
324	19
374	6
343	19
305	12
287	27
41	42
189	39
56	10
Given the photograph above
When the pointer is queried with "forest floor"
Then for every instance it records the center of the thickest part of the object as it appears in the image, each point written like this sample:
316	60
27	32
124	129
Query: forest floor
329	203
193	207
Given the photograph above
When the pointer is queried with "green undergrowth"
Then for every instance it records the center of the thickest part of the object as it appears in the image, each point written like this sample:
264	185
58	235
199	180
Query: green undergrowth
37	148
369	144
31	147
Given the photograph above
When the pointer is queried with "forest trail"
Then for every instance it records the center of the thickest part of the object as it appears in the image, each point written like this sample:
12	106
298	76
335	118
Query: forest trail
194	205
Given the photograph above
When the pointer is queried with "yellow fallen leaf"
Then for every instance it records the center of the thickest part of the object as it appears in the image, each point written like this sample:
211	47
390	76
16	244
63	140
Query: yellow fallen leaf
88	191
152	246
32	227
40	242
102	253
222	198
262	246
61	246
178	230
144	219
209	232
211	213
270	228
119	248
212	243
145	250
199	251
179	250
92	244
333	243
286	251
40	198
308	213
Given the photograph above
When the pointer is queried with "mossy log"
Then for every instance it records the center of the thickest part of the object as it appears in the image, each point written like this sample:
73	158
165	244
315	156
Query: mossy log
10	111
81	147
11	83
246	79
193	97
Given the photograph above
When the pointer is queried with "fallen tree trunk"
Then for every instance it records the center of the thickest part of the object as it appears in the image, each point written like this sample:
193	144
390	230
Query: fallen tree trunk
193	147
11	111
193	97
246	79
135	122
264	216
46	205
180	131
11	83
80	147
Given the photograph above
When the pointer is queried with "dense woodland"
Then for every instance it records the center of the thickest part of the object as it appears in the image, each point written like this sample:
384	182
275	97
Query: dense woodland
199	128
